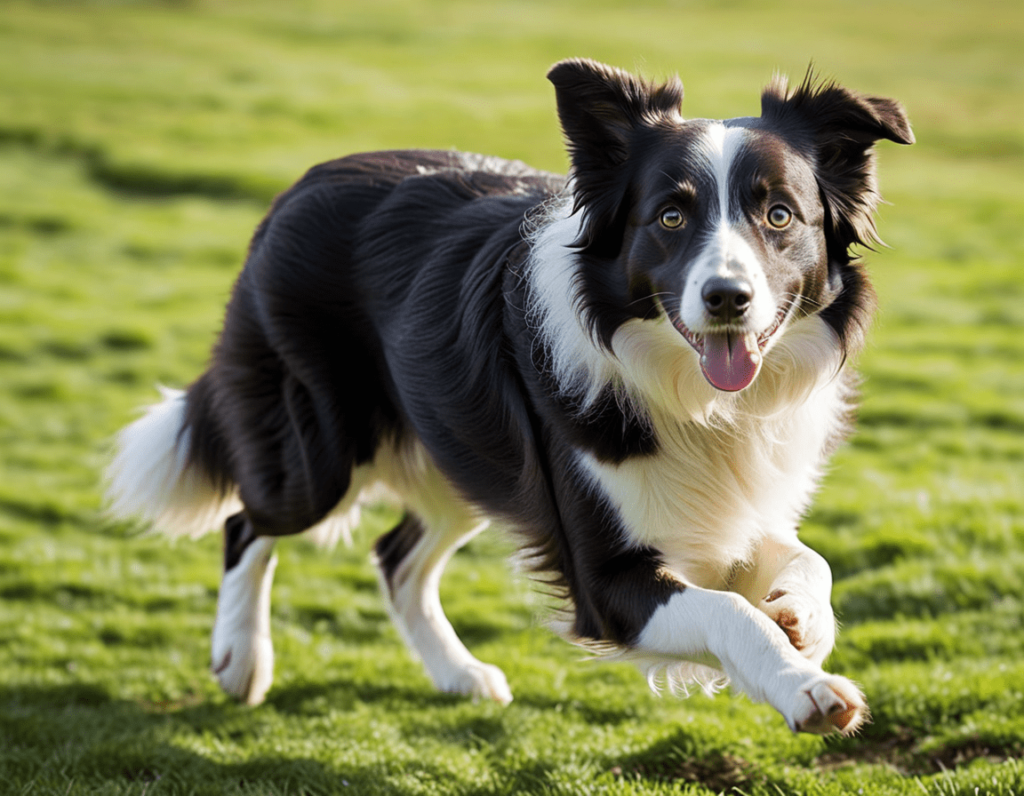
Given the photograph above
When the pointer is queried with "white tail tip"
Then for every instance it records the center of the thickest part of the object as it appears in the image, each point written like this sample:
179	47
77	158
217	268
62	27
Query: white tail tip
150	478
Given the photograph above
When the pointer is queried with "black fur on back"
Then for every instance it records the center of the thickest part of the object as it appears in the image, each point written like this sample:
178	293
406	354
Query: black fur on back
382	301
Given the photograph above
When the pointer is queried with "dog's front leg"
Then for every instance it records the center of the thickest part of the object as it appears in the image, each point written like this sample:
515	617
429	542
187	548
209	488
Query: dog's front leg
792	585
756	655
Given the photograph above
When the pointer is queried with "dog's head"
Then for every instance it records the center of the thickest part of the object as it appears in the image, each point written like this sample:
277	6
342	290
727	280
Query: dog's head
732	228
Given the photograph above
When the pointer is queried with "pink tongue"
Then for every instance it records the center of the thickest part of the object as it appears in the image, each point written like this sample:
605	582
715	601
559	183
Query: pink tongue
730	360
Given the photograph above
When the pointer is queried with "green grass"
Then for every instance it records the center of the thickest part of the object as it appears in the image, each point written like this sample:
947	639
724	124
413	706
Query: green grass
139	145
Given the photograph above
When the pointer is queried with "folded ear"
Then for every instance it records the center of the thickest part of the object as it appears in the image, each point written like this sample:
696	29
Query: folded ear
841	128
601	109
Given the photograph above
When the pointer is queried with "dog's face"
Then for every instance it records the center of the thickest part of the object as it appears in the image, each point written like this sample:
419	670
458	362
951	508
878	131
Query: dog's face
732	229
726	228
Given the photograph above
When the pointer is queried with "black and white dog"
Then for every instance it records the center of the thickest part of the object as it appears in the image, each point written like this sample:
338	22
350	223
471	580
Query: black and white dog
638	371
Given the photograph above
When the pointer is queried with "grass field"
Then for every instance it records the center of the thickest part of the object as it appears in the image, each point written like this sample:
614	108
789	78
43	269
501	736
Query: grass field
139	145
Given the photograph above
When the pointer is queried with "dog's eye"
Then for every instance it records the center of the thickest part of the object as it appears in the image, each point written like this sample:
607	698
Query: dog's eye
779	217
671	218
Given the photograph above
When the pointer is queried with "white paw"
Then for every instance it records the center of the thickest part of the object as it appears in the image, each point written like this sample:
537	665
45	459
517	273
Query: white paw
244	666
826	704
478	680
809	626
242	655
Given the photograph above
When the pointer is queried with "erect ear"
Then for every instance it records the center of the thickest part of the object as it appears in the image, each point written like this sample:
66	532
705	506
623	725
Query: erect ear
601	109
841	128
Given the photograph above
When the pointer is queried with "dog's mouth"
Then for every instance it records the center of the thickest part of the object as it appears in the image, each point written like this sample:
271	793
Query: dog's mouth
730	359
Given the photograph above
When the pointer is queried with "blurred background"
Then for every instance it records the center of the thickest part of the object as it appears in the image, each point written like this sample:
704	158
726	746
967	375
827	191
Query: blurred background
141	142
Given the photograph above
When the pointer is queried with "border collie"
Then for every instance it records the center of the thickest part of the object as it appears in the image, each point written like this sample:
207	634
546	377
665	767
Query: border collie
638	371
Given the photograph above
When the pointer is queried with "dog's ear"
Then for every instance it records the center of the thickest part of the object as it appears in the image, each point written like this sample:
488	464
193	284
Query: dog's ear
602	109
841	127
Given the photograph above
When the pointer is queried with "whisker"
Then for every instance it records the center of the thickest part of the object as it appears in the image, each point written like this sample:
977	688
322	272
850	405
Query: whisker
650	296
797	297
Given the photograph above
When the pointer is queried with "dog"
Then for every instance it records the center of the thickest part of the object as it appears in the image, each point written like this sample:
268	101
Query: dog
638	371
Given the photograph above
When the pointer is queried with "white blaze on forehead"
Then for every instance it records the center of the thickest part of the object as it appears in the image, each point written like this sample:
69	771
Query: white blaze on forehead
719	147
725	251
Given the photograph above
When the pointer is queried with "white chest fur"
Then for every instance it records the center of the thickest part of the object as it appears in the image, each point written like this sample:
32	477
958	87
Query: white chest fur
713	490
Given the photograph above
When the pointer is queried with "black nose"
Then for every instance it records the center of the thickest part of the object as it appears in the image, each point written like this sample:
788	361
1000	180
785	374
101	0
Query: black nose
725	298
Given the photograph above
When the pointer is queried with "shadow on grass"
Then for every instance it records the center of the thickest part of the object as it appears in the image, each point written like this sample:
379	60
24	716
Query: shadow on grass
303	699
678	759
137	179
80	739
596	713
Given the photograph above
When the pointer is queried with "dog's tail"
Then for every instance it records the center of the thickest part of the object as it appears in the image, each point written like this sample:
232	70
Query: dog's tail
154	477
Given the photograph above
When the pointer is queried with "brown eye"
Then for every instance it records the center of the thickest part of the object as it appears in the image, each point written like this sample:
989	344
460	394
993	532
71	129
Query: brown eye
779	217
671	218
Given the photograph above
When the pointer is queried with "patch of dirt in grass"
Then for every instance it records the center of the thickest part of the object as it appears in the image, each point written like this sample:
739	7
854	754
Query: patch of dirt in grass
954	756
145	775
718	772
902	753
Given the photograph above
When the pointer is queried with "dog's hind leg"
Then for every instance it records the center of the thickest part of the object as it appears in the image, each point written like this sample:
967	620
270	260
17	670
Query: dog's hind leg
242	655
411	559
292	463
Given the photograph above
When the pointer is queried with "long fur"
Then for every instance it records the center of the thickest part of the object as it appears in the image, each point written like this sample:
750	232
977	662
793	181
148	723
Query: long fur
638	370
150	478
